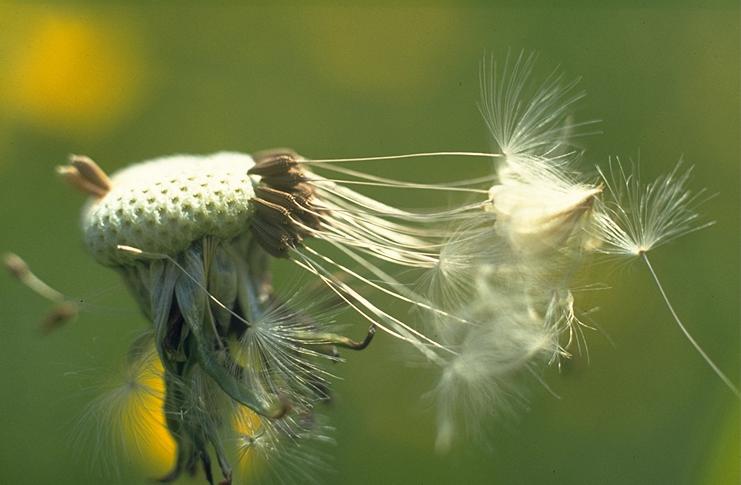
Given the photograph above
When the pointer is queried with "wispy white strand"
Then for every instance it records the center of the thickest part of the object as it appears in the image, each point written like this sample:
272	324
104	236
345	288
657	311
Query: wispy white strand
731	386
408	155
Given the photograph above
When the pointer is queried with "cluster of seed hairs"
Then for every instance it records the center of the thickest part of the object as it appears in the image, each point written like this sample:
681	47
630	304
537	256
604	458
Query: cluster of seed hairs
243	368
544	218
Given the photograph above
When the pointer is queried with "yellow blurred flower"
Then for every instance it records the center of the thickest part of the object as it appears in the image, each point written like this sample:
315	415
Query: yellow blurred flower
143	420
126	424
248	426
70	71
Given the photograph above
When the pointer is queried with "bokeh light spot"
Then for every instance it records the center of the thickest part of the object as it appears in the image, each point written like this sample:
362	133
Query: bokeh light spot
73	72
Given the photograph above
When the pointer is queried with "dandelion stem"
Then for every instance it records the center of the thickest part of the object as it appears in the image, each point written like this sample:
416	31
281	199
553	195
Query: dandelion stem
694	343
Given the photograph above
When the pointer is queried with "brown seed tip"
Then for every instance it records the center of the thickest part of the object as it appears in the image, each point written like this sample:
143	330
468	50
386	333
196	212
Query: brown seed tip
15	265
85	175
91	171
58	316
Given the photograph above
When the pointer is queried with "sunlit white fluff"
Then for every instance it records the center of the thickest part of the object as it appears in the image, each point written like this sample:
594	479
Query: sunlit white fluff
518	295
524	116
548	217
285	347
512	335
538	195
538	210
634	218
523	317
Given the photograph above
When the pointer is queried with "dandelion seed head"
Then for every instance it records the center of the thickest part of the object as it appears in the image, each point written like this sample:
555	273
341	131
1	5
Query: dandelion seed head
193	237
182	231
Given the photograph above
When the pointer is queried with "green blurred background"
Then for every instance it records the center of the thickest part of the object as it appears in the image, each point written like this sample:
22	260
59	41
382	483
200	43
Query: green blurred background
126	82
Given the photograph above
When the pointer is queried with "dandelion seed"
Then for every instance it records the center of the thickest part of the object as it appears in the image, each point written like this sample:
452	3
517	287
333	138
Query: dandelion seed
64	309
281	451
539	212
525	118
636	218
483	379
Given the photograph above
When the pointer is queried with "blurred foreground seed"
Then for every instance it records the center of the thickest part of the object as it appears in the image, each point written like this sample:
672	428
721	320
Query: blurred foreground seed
63	310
